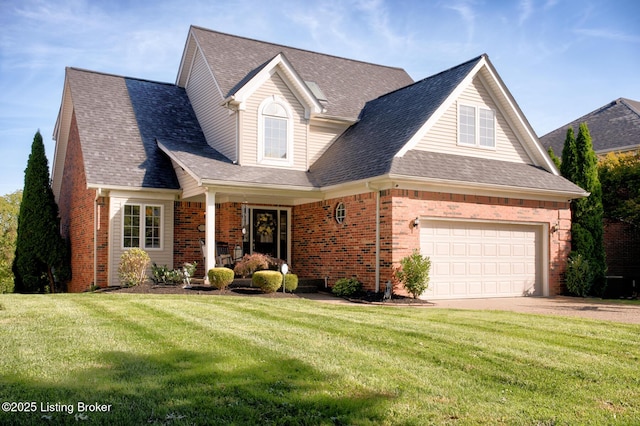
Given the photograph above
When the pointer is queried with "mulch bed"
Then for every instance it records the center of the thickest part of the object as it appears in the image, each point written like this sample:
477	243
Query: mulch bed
242	290
201	289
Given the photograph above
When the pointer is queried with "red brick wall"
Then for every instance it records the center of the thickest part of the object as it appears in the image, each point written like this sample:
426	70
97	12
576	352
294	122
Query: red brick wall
322	247
186	237
76	204
622	246
407	205
187	217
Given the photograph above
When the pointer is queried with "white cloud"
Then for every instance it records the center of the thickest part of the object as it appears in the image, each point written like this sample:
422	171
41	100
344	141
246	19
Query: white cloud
608	34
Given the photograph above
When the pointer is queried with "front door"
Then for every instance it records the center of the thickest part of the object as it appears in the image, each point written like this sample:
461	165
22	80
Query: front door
269	232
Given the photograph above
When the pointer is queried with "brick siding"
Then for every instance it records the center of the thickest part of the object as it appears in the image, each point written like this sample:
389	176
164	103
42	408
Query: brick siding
622	246
322	247
76	204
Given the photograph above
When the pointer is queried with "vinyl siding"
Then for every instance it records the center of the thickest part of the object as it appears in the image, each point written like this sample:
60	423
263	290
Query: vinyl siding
188	184
273	86
218	125
320	138
443	136
162	256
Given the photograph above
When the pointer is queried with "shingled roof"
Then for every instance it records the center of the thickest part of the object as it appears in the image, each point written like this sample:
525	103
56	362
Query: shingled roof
613	127
114	151
385	125
346	83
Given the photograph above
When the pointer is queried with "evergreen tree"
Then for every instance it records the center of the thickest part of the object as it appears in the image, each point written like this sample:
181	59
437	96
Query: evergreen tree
568	166
40	250
588	235
580	165
554	157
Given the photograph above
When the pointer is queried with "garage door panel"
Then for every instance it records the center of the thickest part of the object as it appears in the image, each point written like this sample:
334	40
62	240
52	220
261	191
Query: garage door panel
474	259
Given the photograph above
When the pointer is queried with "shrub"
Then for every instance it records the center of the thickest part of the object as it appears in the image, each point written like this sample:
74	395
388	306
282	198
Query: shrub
346	287
220	278
267	281
578	277
133	266
162	275
291	282
251	263
413	273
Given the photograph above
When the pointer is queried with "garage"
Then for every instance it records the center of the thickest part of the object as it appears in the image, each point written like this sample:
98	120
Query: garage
482	259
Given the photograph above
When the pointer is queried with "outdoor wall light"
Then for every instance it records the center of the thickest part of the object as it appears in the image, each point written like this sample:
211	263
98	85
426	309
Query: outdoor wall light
416	222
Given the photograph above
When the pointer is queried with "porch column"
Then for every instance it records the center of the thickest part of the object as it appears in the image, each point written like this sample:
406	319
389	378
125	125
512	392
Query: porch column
210	231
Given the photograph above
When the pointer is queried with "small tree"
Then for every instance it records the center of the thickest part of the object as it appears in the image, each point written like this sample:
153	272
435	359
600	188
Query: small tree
9	210
133	267
413	273
41	253
620	179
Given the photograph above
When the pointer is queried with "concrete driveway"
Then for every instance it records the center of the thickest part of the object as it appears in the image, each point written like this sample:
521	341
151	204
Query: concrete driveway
563	306
566	306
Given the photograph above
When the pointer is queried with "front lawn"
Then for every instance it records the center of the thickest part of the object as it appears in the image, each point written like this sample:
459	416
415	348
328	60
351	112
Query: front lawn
163	359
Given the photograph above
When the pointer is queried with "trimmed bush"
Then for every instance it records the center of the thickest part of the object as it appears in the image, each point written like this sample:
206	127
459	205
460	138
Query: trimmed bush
291	282
578	277
267	281
346	287
220	278
133	267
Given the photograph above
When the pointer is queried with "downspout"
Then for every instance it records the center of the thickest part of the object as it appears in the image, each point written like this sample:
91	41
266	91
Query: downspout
377	241
377	191
96	225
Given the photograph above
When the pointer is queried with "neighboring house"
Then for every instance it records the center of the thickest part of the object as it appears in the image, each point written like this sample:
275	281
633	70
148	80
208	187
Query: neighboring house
339	167
614	128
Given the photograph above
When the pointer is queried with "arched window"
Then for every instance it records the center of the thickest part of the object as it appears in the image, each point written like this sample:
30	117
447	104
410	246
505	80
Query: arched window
275	132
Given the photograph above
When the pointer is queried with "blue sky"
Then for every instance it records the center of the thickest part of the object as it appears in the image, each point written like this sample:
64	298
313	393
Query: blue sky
559	58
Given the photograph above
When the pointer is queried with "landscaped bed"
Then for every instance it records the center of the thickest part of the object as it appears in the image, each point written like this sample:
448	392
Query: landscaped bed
178	359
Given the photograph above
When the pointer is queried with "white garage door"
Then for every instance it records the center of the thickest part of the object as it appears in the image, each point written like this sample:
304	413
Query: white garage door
477	259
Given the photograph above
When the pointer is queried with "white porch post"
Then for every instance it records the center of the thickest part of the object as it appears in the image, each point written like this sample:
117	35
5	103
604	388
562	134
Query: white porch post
210	231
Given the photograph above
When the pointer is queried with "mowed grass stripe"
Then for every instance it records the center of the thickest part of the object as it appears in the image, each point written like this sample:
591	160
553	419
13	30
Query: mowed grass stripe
286	361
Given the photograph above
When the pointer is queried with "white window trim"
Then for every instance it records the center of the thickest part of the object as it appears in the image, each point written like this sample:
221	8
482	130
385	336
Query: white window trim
268	160
477	109
142	227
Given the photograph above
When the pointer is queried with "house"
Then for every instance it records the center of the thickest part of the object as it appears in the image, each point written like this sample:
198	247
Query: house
339	167
615	127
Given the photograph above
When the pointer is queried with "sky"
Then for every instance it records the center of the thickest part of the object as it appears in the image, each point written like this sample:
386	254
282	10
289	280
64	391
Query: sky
560	59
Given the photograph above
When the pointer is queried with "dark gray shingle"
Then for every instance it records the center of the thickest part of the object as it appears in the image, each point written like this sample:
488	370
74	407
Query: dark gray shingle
613	126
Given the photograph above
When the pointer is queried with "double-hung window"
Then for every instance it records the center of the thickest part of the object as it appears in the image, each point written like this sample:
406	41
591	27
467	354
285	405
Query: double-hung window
476	126
275	128
142	226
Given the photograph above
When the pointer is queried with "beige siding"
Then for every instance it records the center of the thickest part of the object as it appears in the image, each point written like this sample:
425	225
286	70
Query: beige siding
216	121
188	184
321	137
162	256
273	86
443	136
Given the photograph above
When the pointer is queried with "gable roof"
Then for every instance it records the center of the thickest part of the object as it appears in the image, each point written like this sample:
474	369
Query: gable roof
131	130
613	127
234	60
385	125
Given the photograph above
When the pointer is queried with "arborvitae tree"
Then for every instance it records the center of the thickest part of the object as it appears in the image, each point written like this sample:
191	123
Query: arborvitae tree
580	165
588	229
554	157
569	167
40	250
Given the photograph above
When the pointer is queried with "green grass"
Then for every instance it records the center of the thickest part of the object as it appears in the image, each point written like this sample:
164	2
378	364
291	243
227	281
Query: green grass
159	359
